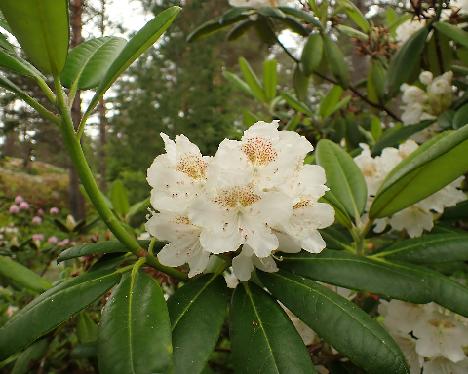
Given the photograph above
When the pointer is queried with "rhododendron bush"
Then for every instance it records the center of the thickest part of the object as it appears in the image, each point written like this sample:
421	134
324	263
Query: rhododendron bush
327	235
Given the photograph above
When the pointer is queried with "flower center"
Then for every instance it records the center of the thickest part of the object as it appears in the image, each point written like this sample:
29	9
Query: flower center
182	220
259	151
442	323
235	196
192	165
301	204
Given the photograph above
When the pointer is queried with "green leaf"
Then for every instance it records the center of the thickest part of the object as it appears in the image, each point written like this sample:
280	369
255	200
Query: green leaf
294	26
336	61
230	17
86	329
263	337
32	354
16	64
339	322
251	79
5	44
344	177
453	32
429	249
312	53
136	46
135	330
119	198
408	282
197	313
91	249
87	63
238	83
431	167
303	16
270	78
328	103
359	273
296	104
21	275
376	81
41	28
53	307
300	83
353	12
352	32
395	135
240	29
406	61
460	117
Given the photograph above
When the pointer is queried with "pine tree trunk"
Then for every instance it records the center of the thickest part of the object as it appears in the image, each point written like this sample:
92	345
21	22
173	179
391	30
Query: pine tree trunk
76	199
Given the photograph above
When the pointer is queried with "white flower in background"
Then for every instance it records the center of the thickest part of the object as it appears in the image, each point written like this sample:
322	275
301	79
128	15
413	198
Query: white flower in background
184	244
423	104
459	5
177	176
416	218
260	3
430	337
254	193
408	28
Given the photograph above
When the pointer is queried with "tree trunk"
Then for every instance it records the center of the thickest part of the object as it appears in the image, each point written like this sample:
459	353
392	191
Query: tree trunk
76	199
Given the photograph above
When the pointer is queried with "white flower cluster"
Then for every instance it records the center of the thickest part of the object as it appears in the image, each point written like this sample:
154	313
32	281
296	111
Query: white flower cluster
432	338
415	218
419	104
260	3
406	29
255	193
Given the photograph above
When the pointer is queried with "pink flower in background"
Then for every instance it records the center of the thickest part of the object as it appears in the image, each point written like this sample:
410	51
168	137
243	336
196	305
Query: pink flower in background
53	240
64	242
24	205
36	220
54	210
18	199
40	212
38	237
14	209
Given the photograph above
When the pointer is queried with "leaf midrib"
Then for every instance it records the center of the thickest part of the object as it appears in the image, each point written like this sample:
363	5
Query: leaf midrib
364	324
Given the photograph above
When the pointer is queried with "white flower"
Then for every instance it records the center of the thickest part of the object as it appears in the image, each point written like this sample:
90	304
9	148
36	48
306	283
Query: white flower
260	3
416	218
408	28
413	94
425	77
177	176
184	244
430	336
252	194
243	264
460	5
441	85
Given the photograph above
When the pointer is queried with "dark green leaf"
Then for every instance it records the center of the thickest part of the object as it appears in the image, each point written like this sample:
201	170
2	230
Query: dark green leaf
344	178
21	275
135	330
460	117
18	65
395	135
300	83
197	313
41	28
270	78
86	329
251	79
240	29
136	46
119	198
429	249
296	104
406	61
453	32
353	12
88	249
312	53
336	61
238	83
339	322
263	337
303	16
439	162
87	63
359	273
27	358
53	307
328	103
